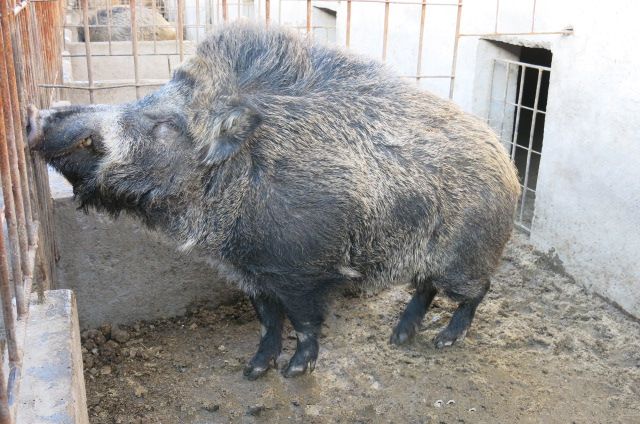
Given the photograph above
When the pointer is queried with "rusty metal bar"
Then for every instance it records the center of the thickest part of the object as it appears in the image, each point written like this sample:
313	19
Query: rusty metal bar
533	16
19	54
17	157
9	324
180	31
309	18
135	48
11	190
9	320
87	45
225	10
5	412
423	13
267	11
349	23
455	50
105	87
385	36
109	26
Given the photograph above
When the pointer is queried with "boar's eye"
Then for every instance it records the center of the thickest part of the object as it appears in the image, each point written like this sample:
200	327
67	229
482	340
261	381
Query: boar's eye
87	142
165	129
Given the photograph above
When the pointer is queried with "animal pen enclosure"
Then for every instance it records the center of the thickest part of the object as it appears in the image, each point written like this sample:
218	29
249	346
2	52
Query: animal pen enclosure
112	69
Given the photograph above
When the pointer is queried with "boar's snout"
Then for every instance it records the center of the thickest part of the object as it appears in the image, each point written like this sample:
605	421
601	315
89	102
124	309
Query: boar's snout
34	129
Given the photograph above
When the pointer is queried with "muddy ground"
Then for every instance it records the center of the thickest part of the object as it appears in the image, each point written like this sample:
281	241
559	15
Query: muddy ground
541	350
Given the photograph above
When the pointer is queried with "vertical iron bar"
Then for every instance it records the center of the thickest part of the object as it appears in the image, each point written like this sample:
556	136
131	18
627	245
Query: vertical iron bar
267	11
5	413
530	145
135	49
491	85
181	28
197	21
533	17
308	18
17	157
87	47
504	101
154	25
109	32
516	125
225	11
9	320
423	13
385	36
349	23
455	50
23	165
495	28
10	178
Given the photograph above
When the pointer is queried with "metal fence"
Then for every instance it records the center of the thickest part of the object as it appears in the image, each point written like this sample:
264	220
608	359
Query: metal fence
29	55
99	30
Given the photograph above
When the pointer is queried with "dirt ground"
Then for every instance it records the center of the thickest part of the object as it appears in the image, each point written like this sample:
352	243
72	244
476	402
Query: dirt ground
541	349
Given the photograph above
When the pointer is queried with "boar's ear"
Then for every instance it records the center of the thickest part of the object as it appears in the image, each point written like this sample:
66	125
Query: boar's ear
227	131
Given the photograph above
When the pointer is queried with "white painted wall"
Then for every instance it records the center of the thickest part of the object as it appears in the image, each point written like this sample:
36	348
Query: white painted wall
588	201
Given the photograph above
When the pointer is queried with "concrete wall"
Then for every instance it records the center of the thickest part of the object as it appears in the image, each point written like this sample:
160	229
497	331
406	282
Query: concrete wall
121	273
587	208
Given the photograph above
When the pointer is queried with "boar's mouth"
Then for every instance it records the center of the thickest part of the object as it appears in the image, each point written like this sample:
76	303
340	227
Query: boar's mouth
59	142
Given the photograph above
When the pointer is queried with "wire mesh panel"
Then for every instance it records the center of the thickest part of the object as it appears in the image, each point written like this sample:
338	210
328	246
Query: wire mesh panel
120	50
29	55
517	112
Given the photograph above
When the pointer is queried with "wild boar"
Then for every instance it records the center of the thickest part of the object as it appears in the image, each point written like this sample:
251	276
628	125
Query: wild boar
114	24
297	168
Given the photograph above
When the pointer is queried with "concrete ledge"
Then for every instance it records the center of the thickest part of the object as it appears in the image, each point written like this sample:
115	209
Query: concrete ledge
52	388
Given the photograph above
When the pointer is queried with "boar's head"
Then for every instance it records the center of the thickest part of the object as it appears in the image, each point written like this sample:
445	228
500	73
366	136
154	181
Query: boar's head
129	157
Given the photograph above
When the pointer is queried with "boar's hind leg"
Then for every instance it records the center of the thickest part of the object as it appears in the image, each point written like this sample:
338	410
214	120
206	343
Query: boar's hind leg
306	316
462	317
410	321
271	316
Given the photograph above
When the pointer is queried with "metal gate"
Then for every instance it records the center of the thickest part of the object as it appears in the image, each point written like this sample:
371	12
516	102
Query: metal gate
518	119
29	55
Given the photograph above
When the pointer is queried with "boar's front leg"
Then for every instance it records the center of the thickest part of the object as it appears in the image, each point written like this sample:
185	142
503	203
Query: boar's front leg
306	314
271	316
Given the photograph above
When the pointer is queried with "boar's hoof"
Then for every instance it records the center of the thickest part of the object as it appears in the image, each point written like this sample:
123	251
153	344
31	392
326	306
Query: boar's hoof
403	333
296	367
448	337
258	366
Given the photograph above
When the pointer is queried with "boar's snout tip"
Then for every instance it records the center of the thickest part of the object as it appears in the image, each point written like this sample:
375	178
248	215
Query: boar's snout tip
34	132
